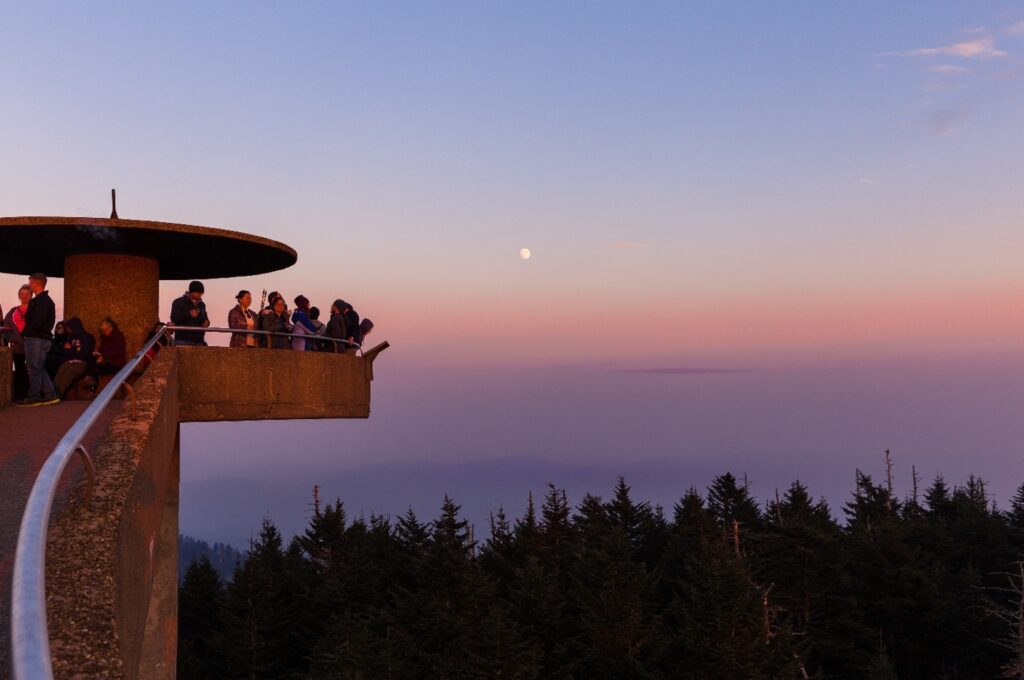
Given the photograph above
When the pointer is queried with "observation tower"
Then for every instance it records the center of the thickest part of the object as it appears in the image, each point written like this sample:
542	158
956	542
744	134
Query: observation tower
89	489
113	267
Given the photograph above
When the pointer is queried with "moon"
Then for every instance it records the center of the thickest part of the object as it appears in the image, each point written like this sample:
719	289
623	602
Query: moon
525	253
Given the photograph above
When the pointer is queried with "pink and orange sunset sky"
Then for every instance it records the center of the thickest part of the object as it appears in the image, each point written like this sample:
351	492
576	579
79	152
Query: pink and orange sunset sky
825	197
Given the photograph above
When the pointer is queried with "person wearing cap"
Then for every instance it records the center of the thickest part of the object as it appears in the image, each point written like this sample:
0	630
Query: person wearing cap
190	310
39	319
302	324
243	318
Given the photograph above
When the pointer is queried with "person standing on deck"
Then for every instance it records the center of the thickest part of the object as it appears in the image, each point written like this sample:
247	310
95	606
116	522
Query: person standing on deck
243	318
14	324
39	319
190	310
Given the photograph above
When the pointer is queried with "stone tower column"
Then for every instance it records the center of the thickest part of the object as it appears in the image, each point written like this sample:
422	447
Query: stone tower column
124	287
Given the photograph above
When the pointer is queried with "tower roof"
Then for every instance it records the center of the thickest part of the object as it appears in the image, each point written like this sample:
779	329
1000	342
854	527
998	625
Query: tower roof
184	251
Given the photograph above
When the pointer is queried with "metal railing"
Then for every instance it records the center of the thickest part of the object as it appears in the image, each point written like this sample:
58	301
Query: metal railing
30	639
245	331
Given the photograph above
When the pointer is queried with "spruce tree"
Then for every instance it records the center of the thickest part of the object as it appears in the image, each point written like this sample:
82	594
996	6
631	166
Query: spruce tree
731	502
612	599
436	619
200	623
645	529
260	612
800	555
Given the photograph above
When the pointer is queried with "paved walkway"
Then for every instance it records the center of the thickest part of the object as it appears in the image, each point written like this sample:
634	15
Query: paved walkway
27	437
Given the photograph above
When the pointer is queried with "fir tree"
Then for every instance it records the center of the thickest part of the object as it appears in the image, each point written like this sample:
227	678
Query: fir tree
200	622
616	590
645	529
728	502
259	612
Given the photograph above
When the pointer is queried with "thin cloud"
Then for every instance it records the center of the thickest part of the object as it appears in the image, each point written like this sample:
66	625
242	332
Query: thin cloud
626	245
978	48
938	86
948	69
1015	29
1010	74
680	370
945	121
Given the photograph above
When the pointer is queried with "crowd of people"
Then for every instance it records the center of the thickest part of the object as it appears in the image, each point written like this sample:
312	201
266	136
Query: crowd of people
274	325
50	358
53	358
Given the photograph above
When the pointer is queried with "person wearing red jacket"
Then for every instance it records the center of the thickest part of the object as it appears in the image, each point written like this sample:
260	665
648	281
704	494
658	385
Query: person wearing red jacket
14	324
110	356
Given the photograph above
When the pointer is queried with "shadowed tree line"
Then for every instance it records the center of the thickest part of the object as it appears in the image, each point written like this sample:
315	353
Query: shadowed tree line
720	587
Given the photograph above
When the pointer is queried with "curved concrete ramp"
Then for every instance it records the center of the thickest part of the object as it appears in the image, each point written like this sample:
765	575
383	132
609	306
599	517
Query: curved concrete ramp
27	437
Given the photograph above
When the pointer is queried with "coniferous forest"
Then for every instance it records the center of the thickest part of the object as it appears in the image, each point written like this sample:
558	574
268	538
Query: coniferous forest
718	586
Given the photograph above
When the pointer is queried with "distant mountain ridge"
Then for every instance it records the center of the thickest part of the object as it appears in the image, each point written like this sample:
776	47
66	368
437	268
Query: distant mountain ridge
222	557
229	510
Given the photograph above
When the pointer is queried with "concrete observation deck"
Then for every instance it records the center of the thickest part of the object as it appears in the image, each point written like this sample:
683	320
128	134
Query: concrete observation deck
111	567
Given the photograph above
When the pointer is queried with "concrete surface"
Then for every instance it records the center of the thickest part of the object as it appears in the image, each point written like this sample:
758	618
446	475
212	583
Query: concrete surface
27	437
220	383
124	287
111	568
106	560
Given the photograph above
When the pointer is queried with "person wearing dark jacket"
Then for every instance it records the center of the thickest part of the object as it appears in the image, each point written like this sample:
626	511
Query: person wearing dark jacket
53	356
277	322
190	310
352	329
336	327
111	355
39	318
319	328
77	355
302	324
365	326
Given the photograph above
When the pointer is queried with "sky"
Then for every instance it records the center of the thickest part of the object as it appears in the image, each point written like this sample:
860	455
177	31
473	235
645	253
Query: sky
758	231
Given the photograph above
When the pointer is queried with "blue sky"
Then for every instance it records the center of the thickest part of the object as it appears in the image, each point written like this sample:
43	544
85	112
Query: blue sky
783	187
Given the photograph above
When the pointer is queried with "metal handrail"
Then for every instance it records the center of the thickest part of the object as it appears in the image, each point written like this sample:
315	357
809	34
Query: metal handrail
247	331
30	639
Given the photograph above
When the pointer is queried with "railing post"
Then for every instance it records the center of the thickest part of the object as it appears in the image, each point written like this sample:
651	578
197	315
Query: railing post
90	471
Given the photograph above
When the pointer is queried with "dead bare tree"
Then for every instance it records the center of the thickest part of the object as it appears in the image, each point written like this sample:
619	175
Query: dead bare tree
914	477
888	472
1011	613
